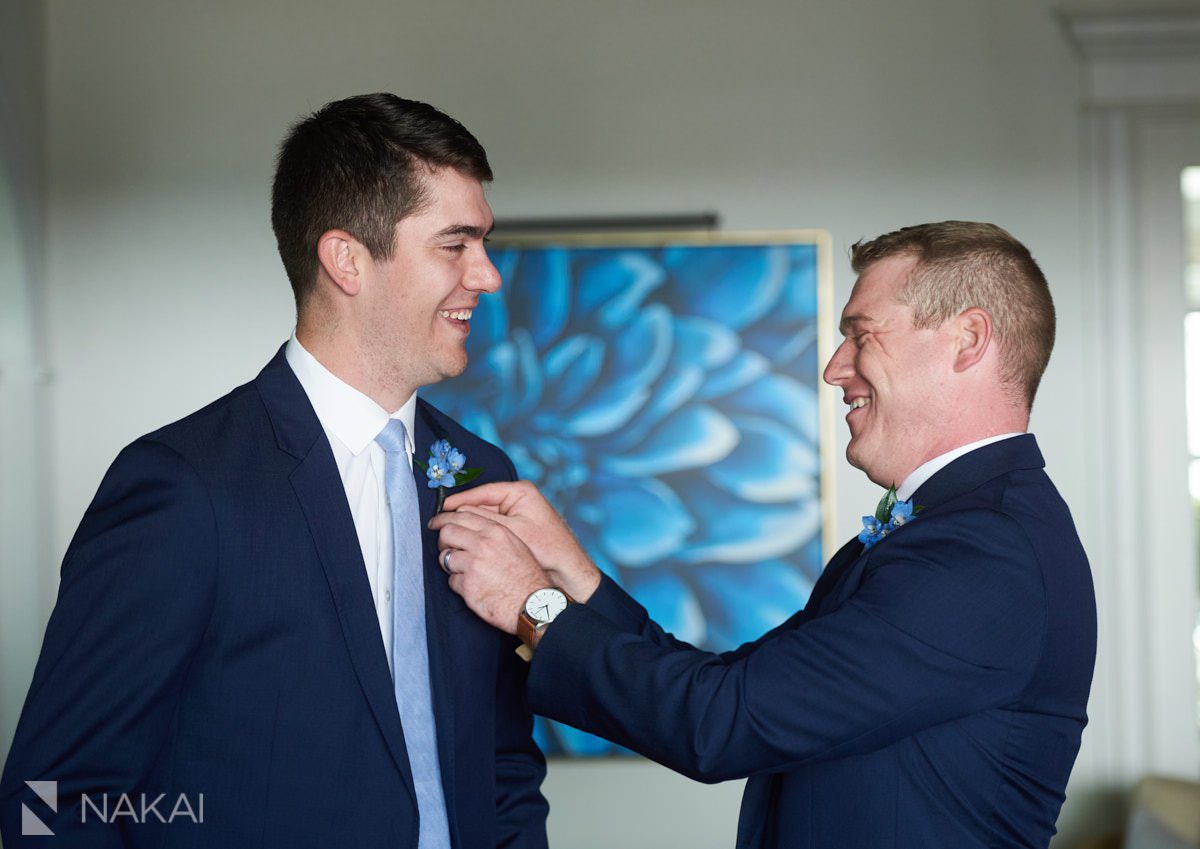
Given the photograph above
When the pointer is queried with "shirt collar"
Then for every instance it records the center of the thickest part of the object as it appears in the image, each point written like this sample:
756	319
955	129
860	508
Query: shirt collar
346	414
928	469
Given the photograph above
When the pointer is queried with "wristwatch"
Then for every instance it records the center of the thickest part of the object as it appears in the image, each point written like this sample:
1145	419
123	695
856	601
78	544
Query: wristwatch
541	608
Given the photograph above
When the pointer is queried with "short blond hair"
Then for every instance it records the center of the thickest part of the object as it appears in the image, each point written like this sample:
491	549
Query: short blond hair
965	264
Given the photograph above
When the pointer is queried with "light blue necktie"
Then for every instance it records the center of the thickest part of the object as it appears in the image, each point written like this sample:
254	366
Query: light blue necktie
410	650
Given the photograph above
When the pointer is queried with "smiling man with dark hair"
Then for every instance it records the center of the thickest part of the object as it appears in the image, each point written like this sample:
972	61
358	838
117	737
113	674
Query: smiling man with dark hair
251	610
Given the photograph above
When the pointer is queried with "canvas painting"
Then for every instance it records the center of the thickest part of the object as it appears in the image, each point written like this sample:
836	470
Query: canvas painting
663	392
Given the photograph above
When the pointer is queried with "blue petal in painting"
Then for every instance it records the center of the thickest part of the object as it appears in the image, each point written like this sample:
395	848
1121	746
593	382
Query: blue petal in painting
543	296
743	370
506	260
703	342
734	531
782	343
692	437
526	388
785	466
501	363
603	412
776	531
671	604
747	601
611	288
784	399
528	468
644	521
676	388
642	348
587	537
798	300
810	560
571	368
635	360
733	285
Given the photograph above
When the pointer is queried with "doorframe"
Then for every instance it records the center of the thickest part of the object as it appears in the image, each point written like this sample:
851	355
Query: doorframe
1141	127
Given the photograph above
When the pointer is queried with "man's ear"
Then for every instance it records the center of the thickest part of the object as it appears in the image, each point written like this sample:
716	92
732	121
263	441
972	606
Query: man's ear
973	337
342	257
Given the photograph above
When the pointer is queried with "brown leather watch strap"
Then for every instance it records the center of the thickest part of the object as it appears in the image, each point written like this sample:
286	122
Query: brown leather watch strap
526	629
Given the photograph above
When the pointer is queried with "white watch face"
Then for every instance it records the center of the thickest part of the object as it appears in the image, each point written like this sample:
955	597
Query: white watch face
546	604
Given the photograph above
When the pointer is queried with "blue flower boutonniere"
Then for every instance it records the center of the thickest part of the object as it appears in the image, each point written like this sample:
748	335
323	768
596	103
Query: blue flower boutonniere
444	469
891	514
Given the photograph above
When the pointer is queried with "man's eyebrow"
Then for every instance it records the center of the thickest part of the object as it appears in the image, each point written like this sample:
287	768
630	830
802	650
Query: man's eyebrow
850	322
468	230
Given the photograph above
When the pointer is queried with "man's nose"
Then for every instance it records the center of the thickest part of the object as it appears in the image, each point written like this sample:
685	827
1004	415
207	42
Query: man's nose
841	365
483	276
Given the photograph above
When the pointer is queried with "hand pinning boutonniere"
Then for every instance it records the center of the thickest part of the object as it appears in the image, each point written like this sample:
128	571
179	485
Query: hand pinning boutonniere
891	514
444	469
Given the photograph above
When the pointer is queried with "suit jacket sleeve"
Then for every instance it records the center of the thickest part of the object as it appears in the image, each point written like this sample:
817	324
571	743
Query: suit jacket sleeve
948	620
612	602
137	590
520	768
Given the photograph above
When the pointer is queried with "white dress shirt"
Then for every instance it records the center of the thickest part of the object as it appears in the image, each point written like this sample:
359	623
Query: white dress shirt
928	469
352	421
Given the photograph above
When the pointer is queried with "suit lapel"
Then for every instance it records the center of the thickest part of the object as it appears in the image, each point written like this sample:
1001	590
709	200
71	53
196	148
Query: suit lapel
318	488
337	546
964	474
440	603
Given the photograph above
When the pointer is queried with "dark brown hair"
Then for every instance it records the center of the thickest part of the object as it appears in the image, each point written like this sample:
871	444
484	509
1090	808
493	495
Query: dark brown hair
359	165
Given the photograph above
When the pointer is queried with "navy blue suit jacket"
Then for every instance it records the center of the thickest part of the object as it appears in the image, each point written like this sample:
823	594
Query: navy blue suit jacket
215	634
932	692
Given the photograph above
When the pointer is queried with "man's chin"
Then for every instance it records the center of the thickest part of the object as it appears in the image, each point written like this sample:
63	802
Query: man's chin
453	368
854	455
856	460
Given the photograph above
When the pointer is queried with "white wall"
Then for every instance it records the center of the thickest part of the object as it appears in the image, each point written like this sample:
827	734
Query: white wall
24	574
853	116
163	288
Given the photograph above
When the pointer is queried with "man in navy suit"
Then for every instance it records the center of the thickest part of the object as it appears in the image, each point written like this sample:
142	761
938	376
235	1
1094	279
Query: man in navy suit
933	690
252	635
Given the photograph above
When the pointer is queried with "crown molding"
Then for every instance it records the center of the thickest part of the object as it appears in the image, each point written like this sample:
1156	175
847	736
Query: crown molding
1147	35
1136	58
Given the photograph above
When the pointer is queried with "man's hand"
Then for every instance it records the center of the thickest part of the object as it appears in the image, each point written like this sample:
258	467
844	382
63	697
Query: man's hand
522	509
488	566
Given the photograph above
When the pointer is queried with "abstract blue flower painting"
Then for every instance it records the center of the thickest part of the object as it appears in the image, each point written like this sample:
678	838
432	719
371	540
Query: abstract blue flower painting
665	398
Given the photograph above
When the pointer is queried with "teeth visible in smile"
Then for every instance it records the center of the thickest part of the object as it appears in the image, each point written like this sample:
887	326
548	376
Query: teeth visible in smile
858	402
461	315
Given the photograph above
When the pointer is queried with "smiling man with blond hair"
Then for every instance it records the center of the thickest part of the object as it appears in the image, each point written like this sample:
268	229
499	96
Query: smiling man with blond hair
933	690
